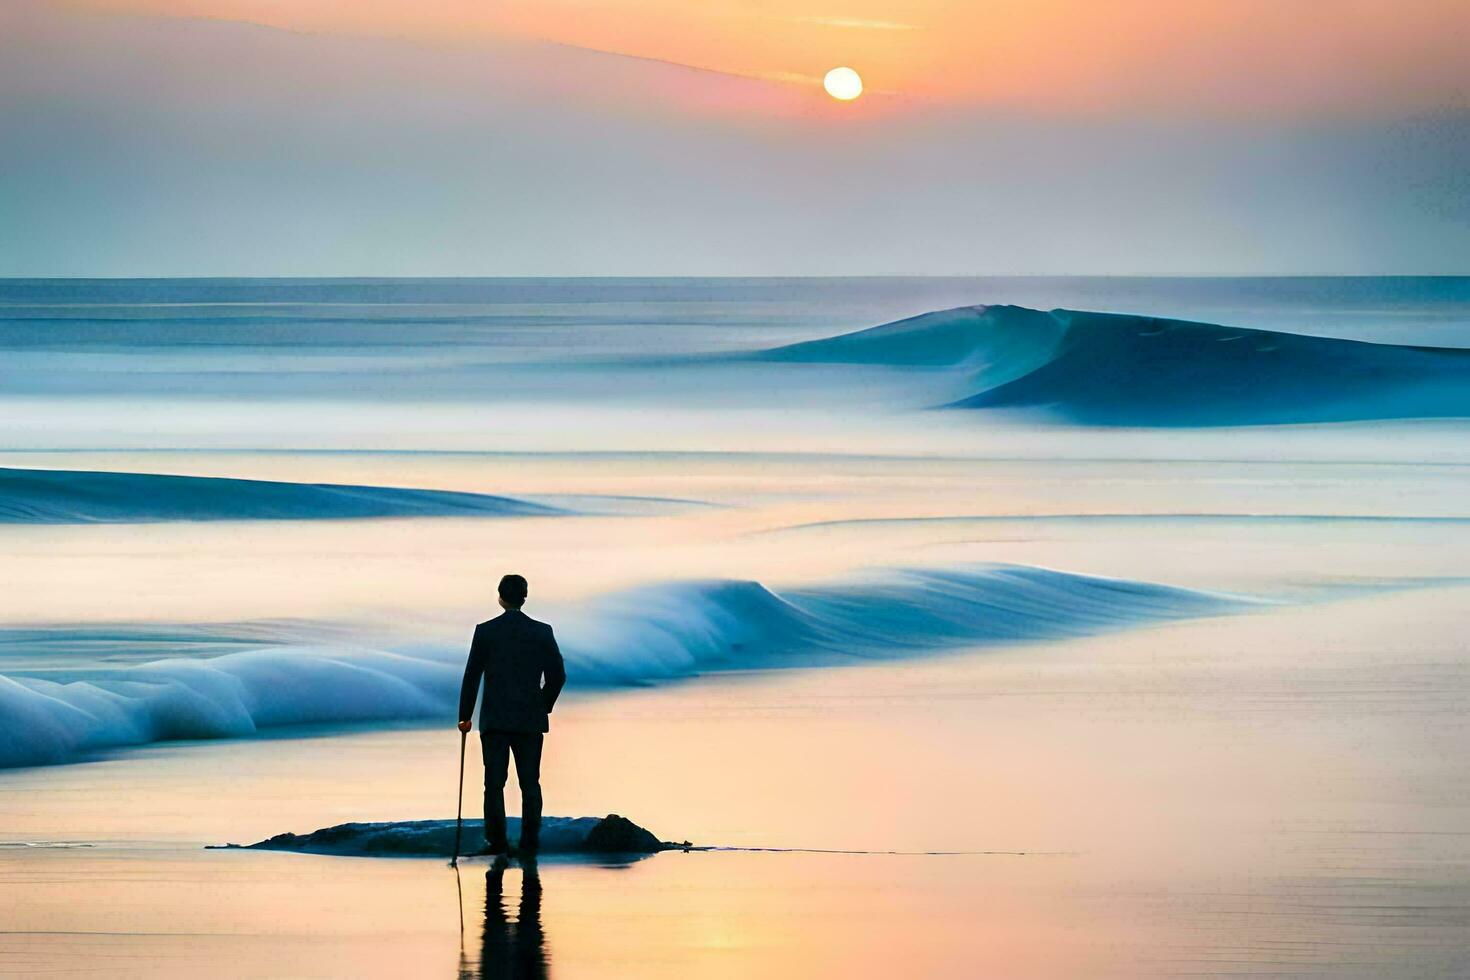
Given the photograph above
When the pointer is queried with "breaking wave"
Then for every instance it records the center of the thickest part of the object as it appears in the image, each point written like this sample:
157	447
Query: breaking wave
1124	370
647	635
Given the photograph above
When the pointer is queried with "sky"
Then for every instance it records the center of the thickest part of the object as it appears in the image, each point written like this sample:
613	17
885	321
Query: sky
654	137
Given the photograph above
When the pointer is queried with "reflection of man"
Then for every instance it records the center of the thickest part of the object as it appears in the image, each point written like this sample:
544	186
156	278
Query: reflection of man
513	652
513	948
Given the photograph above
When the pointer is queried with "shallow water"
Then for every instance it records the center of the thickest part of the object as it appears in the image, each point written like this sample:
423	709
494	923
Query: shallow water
1198	798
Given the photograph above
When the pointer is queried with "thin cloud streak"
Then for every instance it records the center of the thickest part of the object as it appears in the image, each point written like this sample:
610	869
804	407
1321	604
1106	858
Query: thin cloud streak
856	23
780	77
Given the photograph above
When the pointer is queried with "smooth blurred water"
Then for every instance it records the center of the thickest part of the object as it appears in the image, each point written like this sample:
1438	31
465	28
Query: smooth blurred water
1278	792
566	364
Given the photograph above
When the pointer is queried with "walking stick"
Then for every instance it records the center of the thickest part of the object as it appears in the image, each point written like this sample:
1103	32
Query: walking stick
459	801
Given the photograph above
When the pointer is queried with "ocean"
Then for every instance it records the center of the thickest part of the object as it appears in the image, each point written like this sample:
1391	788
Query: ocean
1114	626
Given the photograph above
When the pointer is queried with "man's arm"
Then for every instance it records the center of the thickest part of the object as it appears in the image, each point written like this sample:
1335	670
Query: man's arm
554	669
469	688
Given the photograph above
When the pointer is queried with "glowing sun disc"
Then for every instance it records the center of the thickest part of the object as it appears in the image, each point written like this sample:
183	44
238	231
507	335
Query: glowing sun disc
843	83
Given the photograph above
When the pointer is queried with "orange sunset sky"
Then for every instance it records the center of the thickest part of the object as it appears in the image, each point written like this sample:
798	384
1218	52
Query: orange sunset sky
654	137
1053	55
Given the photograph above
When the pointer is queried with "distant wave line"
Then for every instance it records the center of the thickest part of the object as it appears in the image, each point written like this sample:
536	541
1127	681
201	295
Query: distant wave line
723	454
51	496
1143	518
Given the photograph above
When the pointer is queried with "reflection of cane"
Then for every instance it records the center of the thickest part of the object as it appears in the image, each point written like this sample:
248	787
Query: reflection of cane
464	965
459	893
459	802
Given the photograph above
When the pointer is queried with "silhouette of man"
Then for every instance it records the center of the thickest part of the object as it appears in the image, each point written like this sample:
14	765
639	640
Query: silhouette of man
513	653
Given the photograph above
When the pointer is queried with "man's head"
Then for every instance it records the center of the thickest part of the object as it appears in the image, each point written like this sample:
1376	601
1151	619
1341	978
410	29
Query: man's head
512	592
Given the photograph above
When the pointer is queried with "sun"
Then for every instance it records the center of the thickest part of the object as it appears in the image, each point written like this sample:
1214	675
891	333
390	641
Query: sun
843	84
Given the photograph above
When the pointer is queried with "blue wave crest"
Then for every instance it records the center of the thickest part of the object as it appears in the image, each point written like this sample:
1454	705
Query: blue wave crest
1124	370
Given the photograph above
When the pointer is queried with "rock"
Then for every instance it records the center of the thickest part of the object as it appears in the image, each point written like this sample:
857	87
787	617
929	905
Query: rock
615	834
612	834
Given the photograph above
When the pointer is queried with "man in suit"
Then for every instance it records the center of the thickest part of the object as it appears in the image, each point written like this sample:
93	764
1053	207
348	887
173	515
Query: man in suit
512	652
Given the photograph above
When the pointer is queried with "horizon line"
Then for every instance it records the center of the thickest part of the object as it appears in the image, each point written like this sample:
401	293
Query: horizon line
732	276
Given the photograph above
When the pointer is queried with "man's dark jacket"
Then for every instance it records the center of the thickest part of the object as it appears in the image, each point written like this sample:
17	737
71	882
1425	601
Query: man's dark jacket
513	652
